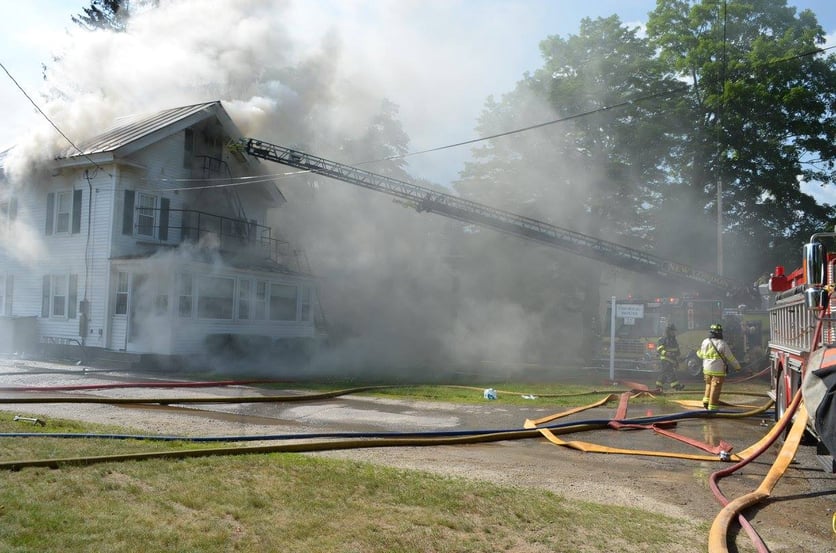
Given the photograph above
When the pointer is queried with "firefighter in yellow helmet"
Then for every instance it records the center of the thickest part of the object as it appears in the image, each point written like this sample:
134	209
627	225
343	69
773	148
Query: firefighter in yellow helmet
667	347
717	359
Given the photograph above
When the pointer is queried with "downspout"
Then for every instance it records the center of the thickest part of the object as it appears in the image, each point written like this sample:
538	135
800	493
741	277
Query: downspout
84	318
108	302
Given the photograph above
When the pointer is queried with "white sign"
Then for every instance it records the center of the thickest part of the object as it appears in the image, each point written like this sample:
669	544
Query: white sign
630	311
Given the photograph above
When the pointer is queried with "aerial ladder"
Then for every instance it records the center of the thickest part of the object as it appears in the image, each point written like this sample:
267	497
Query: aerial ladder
428	200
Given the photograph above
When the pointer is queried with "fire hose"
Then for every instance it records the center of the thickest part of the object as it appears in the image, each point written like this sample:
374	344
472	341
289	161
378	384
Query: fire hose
338	440
717	541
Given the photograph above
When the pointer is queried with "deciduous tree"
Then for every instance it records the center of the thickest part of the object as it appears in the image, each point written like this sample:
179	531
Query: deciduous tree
760	114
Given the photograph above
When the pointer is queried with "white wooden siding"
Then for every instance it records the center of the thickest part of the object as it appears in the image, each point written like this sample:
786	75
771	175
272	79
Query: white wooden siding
98	251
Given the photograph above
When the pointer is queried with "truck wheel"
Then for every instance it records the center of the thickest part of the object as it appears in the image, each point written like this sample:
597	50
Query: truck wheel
693	365
781	397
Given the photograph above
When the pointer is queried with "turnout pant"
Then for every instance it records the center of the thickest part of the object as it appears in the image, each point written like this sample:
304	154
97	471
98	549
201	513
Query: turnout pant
667	374
713	387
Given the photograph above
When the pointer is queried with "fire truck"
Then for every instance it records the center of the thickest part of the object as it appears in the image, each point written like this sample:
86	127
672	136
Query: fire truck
640	322
802	343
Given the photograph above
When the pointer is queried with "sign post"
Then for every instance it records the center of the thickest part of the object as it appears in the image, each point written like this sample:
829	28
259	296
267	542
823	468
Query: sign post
612	339
629	312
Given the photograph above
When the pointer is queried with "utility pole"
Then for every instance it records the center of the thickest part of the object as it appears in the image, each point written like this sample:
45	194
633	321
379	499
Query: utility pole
721	150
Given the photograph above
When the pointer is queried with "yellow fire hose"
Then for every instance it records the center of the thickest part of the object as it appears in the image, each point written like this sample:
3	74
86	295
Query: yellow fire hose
530	431
587	447
719	529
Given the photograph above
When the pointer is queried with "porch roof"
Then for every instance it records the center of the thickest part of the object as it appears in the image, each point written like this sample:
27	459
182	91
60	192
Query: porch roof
226	259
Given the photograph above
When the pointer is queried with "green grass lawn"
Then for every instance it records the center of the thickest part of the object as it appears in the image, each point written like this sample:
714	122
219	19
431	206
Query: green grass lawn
293	502
297	502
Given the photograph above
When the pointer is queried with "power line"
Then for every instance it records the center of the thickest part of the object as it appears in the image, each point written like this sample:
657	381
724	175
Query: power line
797	56
591	112
45	116
547	123
230	182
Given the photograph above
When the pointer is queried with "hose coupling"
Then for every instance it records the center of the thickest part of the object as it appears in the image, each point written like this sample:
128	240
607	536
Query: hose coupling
725	456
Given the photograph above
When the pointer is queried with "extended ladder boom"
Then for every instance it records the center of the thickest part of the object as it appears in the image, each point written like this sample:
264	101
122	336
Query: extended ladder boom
426	199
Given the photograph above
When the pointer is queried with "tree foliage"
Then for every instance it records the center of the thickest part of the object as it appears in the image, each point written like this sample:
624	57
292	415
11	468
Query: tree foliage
580	164
761	119
110	14
596	168
727	95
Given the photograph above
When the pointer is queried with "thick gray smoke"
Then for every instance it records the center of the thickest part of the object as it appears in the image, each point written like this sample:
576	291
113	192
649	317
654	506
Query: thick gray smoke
401	291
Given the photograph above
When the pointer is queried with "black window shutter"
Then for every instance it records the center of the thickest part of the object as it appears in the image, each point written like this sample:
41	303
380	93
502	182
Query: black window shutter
164	203
72	297
45	297
50	212
128	214
76	212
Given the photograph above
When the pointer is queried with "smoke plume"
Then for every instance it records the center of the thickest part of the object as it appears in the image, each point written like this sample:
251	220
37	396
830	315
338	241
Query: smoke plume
401	291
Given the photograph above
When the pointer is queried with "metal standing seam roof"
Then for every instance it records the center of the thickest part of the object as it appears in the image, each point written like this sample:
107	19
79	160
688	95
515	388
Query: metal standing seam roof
133	127
130	128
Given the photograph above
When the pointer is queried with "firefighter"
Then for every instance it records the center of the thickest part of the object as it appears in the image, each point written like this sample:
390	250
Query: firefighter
717	359
668	349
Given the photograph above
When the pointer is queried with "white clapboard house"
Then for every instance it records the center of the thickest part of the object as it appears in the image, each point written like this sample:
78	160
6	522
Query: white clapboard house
152	240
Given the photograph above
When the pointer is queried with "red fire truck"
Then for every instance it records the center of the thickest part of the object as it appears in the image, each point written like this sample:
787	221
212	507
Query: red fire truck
802	345
640	322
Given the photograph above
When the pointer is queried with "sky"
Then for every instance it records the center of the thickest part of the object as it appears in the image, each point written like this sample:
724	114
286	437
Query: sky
449	56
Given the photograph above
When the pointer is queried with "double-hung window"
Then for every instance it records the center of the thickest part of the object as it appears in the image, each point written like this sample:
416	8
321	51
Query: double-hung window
121	293
59	296
63	212
145	214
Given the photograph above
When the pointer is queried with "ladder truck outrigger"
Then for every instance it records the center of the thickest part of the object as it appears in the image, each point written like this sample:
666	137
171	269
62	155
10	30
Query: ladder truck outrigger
428	200
802	345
